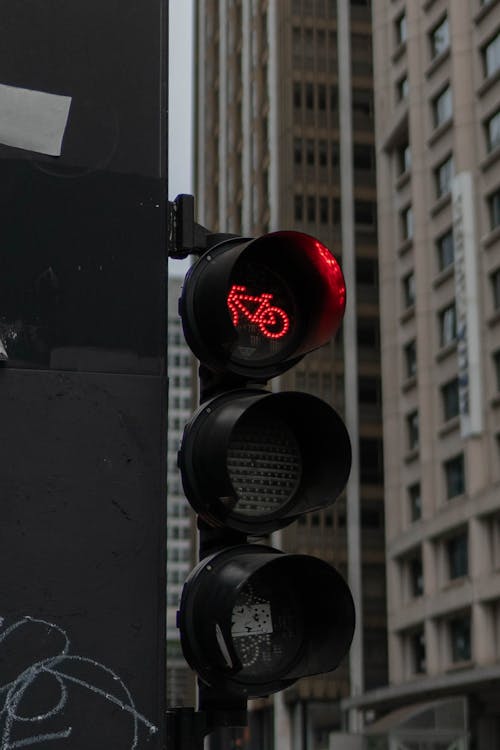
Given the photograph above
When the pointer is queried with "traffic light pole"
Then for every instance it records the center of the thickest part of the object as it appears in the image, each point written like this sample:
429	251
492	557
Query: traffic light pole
188	727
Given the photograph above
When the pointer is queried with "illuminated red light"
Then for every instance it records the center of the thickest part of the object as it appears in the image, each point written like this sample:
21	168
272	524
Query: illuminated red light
265	316
336	276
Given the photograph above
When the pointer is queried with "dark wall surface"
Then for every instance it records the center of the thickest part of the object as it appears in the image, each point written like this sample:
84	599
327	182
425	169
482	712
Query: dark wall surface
82	377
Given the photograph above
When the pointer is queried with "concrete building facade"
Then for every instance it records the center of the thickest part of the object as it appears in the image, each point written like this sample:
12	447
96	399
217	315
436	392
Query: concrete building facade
437	103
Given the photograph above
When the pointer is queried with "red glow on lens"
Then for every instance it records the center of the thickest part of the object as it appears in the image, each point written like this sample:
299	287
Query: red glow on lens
336	275
272	321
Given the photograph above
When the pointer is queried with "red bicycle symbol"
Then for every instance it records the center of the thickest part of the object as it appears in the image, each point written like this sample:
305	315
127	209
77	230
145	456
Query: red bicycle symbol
272	321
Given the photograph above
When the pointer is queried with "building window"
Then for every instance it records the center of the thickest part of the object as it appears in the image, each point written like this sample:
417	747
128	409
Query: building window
362	105
494	207
402	89
369	391
407	223
310	152
297	95
443	176
410	356
409	290
460	638
445	250
309	96
417	648
322	97
454	476
367	272
491	56
297	151
495	288
334	148
368	334
299	208
364	156
334	99
322	153
416	573
447	325
442	107
401	29
457	554
371	460
493	131
323	209
336	211
308	47
362	57
449	397
404	158
311	209
496	364
440	38
412	430
365	213
415	500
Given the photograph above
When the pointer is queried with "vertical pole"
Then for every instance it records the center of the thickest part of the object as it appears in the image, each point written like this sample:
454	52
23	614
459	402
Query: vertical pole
185	730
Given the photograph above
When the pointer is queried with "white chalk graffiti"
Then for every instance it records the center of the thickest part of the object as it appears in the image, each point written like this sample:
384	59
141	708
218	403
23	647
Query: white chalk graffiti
12	693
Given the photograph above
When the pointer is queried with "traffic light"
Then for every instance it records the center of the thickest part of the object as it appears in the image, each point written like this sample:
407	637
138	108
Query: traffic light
254	619
255	307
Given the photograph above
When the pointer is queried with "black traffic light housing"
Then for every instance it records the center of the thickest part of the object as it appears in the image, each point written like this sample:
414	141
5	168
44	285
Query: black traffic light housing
253	619
255	307
268	619
255	461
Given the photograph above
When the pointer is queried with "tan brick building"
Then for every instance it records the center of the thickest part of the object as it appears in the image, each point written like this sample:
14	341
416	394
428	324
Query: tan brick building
437	97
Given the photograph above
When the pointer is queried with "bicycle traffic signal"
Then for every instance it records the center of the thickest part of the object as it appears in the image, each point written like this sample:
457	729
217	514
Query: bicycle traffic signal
253	619
255	307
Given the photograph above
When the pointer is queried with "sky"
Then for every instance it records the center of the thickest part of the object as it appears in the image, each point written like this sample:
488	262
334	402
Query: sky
180	108
180	97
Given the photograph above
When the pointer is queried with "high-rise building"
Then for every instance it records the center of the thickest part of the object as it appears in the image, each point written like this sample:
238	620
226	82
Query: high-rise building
285	140
180	682
437	76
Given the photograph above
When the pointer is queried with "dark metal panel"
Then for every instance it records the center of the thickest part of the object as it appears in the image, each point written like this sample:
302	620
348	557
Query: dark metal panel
81	548
83	380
